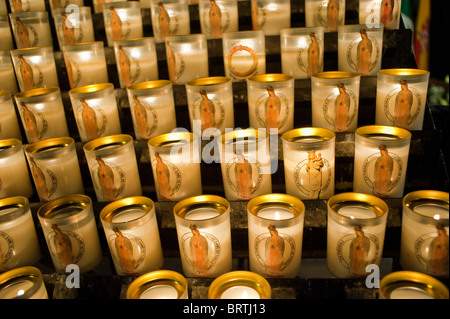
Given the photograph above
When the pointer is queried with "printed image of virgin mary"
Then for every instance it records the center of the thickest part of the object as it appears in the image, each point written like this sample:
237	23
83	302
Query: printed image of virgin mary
244	177
198	248
274	251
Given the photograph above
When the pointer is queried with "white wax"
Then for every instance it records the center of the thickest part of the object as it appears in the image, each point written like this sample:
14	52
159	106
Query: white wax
240	292
357	212
160	292
20	287
8	79
202	214
409	293
430	210
275	213
15	176
243	63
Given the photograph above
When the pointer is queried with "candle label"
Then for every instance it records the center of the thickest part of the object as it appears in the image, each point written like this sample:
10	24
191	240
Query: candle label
312	176
44	180
363	53
402	105
201	250
272	109
356	251
252	61
145	117
73	72
166	25
216	21
175	63
168	178
329	14
243	175
26	33
30	76
309	57
119	29
92	120
129	68
382	171
66	247
109	179
6	250
274	250
35	123
129	251
210	111
339	109
258	15
69	34
432	251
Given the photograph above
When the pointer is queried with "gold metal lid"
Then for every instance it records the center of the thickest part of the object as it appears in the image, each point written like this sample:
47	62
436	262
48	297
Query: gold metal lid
403	72
110	211
415	281
316	133
50	146
271	77
381	132
37	92
212	80
27	273
4	94
149	85
66	209
295	205
239	278
171	139
332	75
154	278
220	204
251	135
92	88
32	49
426	197
109	141
81	45
10	146
14	206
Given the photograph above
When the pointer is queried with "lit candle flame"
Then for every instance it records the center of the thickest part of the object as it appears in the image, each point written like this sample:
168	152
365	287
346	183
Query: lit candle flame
437	217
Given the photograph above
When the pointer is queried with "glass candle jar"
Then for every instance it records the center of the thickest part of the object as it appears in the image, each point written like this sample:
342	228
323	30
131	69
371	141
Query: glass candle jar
360	49
152	107
275	235
271	16
240	284
244	54
31	29
175	160
245	164
271	102
210	103
218	16
14	173
85	63
381	160
376	13
123	21
70	230
9	124
136	61
309	162
23	283
42	113
356	226
132	234
73	26
401	97
302	51
18	238
187	57
55	168
169	17
335	100
113	167
8	80
98	4
96	111
159	284
424	233
35	68
6	41
69	5
327	13
411	285
26	5
204	235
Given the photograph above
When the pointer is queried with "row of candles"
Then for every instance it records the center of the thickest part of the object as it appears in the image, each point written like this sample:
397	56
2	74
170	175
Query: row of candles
356	225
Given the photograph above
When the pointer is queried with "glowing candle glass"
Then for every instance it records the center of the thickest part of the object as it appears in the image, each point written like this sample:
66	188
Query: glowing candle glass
159	284
8	80
18	239
42	113
425	233
302	51
187	57
244	54
98	4
309	162
271	102
381	160
73	27
218	16
55	168
335	100
275	235
70	230
132	234
375	13
136	61
23	283
96	111
360	49
327	13
401	97
31	29
175	161
271	16
85	63
152	107
169	17
204	235
69	5
356	226
6	40
210	103
35	68
113	167
240	285
9	124
27	5
14	174
245	164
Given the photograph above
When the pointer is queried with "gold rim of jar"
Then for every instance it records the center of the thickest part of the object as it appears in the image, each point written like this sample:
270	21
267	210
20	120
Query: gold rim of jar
55	145
20	202
239	278
317	133
29	273
373	203
426	283
336	75
37	92
52	208
403	72
4	94
154	278
122	4
295	205
100	143
134	41
171	139
233	136
150	85
301	31
80	46
270	78
91	88
413	199
10	145
209	81
31	49
243	35
111	210
183	207
375	131
30	14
